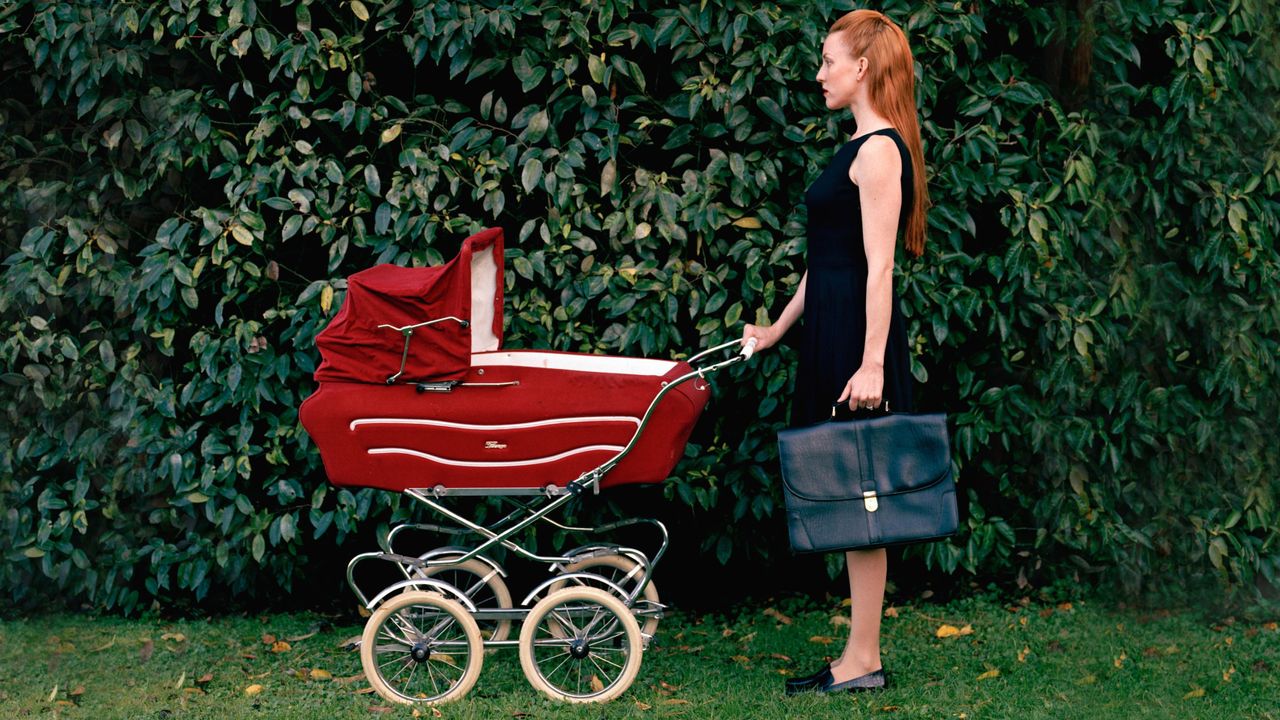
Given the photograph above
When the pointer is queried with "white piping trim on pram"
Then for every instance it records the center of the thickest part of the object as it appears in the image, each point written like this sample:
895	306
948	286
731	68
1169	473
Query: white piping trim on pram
494	464
503	426
611	364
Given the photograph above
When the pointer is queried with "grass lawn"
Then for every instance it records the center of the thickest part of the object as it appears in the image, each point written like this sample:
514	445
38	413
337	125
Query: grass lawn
1026	660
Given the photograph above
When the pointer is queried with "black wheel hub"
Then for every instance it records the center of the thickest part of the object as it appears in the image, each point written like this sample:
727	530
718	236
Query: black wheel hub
579	649
420	652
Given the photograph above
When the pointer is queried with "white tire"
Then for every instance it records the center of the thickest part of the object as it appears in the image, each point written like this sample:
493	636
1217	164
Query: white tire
421	648
580	645
623	572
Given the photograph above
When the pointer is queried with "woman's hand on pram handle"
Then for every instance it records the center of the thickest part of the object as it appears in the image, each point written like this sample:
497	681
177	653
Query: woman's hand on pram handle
763	337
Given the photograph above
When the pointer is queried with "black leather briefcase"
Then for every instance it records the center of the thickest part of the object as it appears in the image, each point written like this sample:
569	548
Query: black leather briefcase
868	483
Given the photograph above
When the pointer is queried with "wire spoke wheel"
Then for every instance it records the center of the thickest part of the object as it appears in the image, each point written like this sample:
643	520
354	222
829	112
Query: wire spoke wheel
580	645
420	647
483	586
622	571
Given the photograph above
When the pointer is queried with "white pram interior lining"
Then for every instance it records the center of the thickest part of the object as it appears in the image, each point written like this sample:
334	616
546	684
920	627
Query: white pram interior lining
611	364
484	290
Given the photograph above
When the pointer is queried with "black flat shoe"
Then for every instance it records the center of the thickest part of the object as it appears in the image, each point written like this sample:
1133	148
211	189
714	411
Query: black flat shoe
870	681
798	685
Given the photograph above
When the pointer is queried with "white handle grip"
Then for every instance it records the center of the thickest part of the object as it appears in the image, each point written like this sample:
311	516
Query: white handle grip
749	349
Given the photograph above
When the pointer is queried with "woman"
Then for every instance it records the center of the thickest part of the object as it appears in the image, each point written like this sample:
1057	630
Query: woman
853	343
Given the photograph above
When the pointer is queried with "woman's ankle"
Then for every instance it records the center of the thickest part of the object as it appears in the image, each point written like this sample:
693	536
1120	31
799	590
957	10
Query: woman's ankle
850	667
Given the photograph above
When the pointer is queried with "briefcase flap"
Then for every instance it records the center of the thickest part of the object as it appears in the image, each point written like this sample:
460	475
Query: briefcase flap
842	460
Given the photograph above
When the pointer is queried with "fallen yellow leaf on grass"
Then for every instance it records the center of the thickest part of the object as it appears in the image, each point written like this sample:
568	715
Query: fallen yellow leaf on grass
268	638
992	673
675	701
770	612
1196	693
643	706
176	637
839	620
1089	679
1065	607
821	639
318	674
741	659
891	612
1271	626
596	685
1023	653
1119	662
280	646
253	690
1226	676
947	631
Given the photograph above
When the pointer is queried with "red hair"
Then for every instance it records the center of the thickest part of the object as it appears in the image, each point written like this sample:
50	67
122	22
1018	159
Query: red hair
892	77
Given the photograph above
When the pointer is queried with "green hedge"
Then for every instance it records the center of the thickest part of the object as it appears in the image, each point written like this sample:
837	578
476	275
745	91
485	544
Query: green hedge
185	186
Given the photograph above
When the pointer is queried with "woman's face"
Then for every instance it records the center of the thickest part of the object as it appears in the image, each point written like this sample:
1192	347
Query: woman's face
840	73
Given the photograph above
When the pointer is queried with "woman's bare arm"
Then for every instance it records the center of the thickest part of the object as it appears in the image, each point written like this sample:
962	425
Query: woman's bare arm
878	173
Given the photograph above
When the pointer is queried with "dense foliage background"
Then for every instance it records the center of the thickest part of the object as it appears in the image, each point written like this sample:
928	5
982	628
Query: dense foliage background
185	186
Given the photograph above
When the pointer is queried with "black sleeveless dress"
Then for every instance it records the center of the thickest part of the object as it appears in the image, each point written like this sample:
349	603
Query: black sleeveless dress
834	325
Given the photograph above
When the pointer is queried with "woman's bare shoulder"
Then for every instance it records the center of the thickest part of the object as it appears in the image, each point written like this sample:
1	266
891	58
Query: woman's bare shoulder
877	161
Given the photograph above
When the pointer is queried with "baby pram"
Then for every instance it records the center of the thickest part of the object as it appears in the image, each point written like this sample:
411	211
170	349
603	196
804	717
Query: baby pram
416	396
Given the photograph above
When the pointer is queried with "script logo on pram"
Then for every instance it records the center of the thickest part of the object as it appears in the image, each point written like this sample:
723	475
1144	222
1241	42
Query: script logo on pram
494	445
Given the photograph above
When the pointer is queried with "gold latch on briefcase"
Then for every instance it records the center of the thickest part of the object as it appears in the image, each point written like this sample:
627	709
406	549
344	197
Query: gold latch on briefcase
869	501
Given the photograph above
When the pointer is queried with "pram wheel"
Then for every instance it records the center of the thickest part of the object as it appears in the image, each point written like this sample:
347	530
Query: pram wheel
420	647
623	572
483	586
580	645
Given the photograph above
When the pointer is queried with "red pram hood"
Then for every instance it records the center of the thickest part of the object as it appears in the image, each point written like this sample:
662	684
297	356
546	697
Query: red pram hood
354	348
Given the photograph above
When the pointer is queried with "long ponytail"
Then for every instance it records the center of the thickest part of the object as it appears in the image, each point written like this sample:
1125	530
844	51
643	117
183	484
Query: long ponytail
892	90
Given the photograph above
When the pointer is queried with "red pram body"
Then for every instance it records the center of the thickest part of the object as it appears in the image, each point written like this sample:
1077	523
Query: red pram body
462	413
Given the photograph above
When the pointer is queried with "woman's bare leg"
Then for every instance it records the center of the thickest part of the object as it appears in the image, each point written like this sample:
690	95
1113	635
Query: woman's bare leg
867	572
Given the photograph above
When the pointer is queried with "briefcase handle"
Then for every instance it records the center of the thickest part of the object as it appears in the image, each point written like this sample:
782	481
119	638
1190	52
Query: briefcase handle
835	406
